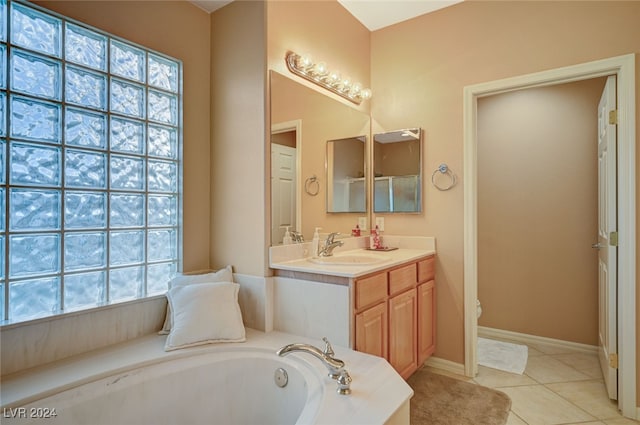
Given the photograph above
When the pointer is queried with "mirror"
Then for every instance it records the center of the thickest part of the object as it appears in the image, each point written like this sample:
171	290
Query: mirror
298	178
397	168
346	184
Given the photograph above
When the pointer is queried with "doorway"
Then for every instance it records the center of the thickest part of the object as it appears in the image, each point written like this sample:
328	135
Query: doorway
623	68
537	211
286	154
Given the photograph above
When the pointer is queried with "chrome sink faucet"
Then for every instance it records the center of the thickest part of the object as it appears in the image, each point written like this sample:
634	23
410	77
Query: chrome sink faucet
335	366
330	245
297	237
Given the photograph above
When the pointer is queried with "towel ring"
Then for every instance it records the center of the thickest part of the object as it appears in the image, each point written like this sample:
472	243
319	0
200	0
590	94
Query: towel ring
311	185
443	169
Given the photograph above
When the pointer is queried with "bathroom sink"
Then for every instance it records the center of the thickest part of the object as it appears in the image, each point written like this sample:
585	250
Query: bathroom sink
348	260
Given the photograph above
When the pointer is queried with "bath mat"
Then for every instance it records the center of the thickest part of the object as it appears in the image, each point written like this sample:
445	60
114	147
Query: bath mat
441	400
502	355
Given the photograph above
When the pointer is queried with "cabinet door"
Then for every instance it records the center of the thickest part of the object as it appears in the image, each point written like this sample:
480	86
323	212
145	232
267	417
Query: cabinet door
372	331
403	333
426	320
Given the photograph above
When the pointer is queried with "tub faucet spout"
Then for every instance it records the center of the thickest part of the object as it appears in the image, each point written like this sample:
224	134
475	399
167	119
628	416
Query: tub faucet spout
335	366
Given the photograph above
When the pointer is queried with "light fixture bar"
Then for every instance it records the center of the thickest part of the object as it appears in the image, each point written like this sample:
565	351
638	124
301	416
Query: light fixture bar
303	66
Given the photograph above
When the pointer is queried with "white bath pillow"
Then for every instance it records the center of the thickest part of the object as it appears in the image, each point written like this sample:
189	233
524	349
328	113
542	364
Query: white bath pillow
203	314
222	275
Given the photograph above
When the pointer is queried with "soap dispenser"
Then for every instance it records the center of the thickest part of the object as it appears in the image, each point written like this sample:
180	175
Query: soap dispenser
315	242
377	241
287	238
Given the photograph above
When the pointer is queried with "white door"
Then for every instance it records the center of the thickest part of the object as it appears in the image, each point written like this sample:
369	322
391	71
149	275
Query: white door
607	239
283	191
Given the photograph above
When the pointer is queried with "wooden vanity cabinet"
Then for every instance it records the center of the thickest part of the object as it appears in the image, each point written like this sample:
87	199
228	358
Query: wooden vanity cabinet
395	314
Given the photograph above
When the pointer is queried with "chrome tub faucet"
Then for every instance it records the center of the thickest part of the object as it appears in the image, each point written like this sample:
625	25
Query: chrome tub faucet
335	366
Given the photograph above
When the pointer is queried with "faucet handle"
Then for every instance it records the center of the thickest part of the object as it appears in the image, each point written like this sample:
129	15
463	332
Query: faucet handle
344	383
328	349
331	237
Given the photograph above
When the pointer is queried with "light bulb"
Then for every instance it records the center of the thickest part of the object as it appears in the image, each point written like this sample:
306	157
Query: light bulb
346	84
355	89
305	61
320	68
365	94
334	78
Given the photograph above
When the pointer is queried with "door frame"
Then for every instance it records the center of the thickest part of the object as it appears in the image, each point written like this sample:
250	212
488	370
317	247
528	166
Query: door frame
283	127
624	69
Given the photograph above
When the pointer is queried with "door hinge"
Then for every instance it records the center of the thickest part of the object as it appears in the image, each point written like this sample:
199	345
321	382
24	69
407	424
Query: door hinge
613	238
613	117
613	360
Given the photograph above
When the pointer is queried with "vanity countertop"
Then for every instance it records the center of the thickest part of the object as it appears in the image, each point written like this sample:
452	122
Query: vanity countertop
392	258
411	252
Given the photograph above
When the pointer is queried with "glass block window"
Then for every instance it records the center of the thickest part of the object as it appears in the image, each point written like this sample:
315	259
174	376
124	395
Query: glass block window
90	167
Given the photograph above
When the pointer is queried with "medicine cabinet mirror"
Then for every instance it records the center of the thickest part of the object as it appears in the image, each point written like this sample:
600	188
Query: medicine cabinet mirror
302	121
397	168
346	182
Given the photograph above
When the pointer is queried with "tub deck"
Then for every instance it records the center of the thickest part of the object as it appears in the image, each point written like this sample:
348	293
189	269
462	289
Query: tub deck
379	394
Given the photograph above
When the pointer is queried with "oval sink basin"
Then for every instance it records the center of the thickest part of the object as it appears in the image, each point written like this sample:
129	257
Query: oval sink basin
348	260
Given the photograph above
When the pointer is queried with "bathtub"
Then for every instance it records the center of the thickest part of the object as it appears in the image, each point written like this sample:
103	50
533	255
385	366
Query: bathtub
219	384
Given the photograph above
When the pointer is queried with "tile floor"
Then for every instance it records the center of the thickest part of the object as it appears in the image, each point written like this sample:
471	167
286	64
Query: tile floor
559	386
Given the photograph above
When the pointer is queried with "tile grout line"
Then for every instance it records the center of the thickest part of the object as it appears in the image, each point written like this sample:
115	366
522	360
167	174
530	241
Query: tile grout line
544	385
560	395
580	381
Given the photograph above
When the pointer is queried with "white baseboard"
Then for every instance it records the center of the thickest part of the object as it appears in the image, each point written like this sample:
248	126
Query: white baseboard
447	365
535	340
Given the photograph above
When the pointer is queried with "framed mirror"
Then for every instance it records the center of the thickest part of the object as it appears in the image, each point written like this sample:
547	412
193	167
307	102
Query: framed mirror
397	168
310	118
346	172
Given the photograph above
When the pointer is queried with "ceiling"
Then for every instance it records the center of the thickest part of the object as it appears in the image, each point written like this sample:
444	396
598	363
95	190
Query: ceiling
374	14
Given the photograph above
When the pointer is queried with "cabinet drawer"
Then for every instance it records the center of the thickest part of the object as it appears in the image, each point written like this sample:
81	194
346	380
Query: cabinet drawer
426	269
371	290
402	278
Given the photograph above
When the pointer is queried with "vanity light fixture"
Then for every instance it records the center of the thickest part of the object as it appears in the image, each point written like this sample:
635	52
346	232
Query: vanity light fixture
303	66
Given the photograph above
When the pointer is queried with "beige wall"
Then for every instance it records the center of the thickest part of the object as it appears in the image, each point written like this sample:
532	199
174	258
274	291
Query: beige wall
537	211
469	43
180	30
396	159
287	138
239	219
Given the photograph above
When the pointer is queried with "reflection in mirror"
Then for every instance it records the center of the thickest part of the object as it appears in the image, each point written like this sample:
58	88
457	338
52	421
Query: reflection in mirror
285	138
397	166
318	118
346	184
